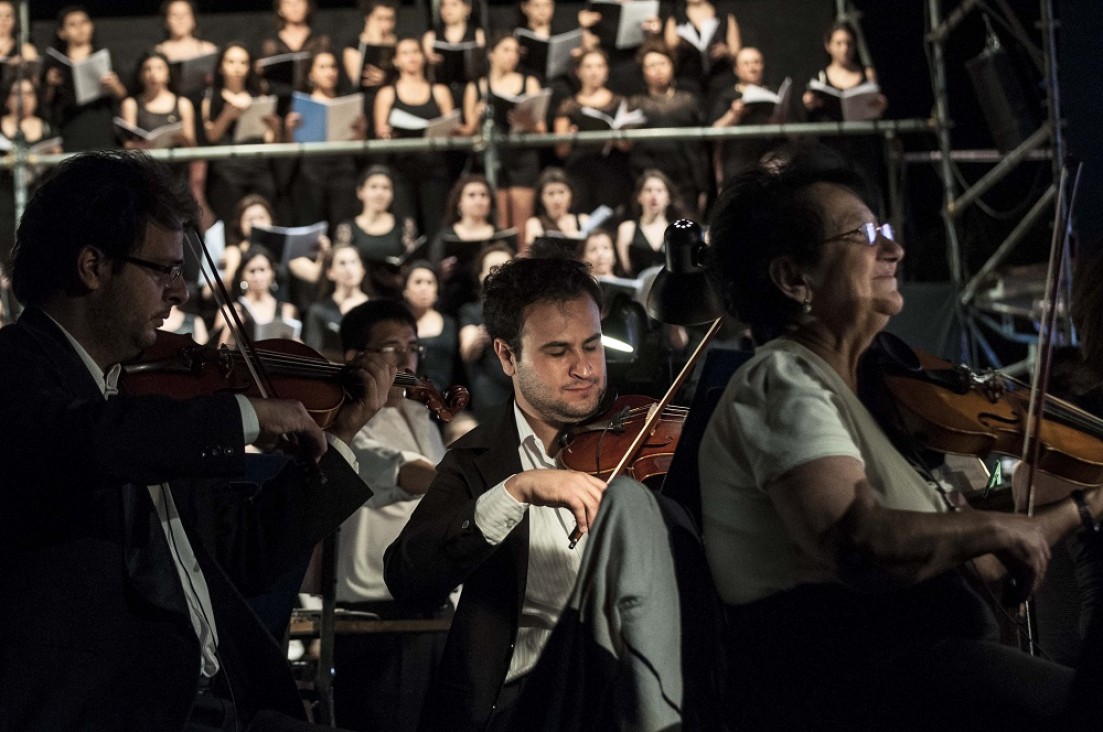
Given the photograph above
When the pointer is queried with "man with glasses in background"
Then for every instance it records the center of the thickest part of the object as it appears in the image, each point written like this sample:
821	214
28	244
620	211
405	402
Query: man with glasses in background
381	678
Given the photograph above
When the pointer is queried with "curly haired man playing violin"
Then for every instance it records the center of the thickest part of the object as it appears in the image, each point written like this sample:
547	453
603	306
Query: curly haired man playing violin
498	516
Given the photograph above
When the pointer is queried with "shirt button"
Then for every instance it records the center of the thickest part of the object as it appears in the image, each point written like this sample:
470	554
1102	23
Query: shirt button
510	523
465	524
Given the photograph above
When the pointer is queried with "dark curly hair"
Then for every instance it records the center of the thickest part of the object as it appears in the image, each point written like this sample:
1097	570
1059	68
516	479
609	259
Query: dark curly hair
103	199
765	213
357	324
512	287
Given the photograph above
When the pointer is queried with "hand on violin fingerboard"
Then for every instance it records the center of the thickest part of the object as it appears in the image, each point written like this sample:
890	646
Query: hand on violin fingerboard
579	492
373	377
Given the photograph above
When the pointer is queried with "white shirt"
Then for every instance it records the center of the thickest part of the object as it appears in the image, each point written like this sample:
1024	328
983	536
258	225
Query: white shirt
394	437
784	408
552	566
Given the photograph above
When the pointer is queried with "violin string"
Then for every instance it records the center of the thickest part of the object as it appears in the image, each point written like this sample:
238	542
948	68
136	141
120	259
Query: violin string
233	320
310	364
1067	411
670	411
299	369
305	366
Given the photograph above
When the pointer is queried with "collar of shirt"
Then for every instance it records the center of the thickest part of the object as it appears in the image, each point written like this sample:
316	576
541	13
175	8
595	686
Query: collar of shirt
533	454
109	382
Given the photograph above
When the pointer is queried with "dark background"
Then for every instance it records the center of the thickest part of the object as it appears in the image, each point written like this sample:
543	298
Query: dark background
788	32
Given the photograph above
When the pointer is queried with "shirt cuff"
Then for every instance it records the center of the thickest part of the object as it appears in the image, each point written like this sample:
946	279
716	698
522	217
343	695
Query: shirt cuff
344	451
497	513
250	425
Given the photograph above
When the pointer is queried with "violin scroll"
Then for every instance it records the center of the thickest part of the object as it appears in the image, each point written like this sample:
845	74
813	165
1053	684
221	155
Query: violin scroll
445	406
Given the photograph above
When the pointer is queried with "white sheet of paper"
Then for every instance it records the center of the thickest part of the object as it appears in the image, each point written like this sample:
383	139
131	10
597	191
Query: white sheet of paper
250	124
632	14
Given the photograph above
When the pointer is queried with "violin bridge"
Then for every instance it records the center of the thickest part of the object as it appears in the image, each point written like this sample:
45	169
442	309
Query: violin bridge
991	383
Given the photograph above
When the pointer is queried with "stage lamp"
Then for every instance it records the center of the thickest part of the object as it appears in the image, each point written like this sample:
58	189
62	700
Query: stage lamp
683	293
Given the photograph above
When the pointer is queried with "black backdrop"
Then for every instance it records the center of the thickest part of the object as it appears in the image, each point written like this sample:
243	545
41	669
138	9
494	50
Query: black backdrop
788	32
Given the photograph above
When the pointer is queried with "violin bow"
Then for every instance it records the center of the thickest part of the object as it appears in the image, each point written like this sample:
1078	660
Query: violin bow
245	345
233	320
1058	256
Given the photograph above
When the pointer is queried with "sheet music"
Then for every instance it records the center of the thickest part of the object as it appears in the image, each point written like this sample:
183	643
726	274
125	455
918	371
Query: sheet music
215	240
600	215
190	74
443	126
632	15
327	120
403	120
86	74
164	136
534	105
560	47
250	125
295	241
781	111
688	32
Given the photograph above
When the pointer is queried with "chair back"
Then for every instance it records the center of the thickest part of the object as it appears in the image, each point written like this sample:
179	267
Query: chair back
704	662
683	479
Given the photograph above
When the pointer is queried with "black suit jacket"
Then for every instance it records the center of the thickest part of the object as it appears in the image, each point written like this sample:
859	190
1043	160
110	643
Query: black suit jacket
440	548
98	632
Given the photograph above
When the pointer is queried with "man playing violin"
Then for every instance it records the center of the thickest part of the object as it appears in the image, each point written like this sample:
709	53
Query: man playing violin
498	516
129	536
843	569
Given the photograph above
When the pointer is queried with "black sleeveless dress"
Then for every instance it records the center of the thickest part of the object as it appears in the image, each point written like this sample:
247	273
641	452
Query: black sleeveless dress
228	181
421	178
518	167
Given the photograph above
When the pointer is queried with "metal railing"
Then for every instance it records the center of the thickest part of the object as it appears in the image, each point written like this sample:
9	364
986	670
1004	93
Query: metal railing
487	144
481	143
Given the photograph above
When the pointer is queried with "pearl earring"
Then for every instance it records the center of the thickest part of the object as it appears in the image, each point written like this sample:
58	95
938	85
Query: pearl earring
806	304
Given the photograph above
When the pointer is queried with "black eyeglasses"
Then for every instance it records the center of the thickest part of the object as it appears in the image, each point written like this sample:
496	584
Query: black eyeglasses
169	272
398	351
869	230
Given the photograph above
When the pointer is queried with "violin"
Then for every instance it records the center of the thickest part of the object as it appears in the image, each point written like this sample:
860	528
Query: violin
178	367
598	445
951	408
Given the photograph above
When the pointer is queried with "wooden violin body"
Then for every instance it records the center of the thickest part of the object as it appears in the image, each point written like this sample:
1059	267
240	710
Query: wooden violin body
178	367
953	409
599	445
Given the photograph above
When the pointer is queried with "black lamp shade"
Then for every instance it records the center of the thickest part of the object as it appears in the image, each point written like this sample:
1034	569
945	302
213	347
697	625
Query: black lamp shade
683	293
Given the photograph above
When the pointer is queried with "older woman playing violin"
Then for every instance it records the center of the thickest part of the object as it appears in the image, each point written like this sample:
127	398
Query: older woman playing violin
842	570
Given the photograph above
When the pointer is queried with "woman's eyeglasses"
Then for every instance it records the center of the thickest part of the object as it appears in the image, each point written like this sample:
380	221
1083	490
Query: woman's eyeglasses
869	230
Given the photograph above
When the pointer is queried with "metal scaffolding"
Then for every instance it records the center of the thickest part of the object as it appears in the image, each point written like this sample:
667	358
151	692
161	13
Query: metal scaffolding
955	202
